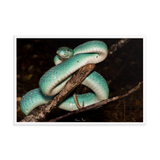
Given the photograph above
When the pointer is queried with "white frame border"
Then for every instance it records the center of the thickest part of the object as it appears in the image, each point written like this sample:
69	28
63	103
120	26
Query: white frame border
75	123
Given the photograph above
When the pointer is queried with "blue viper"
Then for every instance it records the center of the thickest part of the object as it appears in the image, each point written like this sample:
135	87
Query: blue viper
68	61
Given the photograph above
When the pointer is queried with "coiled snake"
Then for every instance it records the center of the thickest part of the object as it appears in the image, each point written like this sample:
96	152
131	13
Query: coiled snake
68	61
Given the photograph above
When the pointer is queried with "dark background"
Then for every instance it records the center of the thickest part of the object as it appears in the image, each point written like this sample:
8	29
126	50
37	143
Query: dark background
122	70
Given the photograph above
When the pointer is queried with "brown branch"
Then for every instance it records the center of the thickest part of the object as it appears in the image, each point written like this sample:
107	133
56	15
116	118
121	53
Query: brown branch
119	44
40	114
76	101
114	48
93	106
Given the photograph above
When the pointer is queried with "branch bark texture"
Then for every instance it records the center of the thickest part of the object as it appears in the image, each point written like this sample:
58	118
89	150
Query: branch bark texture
119	44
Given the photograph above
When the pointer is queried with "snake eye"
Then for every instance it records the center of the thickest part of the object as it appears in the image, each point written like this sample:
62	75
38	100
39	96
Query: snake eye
67	50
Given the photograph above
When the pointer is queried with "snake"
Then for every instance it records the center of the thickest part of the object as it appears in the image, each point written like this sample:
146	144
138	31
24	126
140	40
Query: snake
67	61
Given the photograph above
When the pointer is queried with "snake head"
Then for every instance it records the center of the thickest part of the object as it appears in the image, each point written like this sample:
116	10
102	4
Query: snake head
64	53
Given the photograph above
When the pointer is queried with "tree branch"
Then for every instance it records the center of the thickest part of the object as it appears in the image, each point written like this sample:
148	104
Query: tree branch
118	45
93	106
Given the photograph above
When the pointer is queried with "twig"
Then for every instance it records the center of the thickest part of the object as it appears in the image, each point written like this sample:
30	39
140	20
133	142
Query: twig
118	45
93	106
114	48
76	101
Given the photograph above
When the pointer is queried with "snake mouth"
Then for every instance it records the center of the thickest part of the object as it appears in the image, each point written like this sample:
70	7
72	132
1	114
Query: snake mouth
62	58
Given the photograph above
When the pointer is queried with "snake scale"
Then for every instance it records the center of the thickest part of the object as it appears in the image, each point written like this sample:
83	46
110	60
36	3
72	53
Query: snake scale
68	61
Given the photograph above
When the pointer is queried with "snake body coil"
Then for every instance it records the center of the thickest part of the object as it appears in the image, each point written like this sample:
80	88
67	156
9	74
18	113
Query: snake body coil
67	62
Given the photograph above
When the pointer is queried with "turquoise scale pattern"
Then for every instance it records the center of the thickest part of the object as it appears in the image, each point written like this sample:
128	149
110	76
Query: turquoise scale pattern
32	99
60	72
90	46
